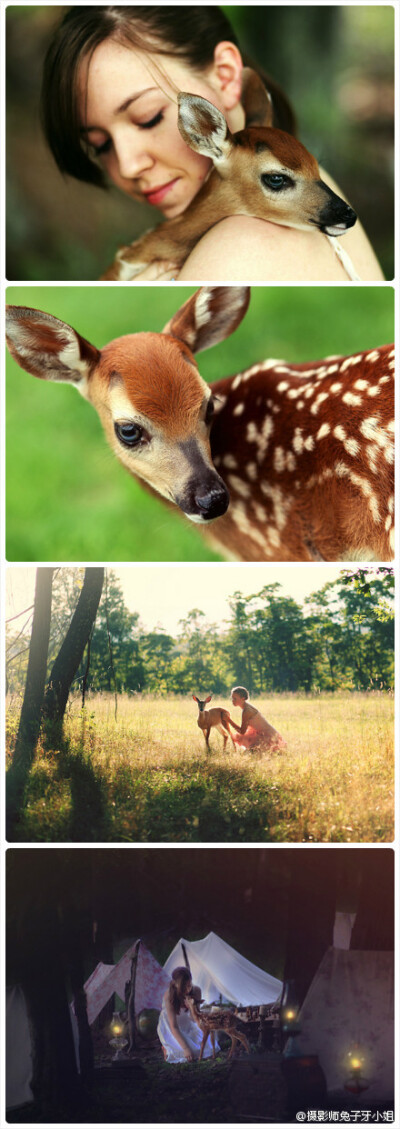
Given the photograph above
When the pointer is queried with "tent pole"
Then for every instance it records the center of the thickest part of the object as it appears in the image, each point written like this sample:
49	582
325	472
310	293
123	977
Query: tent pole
185	957
131	1001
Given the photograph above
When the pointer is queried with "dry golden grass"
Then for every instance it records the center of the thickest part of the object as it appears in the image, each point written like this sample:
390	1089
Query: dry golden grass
146	775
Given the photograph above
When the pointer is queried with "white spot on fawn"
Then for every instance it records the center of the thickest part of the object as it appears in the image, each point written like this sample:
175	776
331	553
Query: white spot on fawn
238	409
351	399
237	484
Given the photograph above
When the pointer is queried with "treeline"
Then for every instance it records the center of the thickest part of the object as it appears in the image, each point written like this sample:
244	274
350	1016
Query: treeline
340	638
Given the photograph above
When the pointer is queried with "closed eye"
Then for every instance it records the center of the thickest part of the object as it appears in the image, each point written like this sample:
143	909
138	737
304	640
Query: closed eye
105	147
98	150
152	122
276	181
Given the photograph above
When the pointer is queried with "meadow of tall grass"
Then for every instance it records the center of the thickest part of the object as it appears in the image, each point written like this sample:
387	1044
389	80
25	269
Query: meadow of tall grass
144	774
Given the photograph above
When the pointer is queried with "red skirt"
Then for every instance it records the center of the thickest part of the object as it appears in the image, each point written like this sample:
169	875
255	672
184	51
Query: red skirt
252	739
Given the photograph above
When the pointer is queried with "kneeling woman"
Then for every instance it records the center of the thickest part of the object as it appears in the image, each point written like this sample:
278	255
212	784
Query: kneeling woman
179	1035
255	731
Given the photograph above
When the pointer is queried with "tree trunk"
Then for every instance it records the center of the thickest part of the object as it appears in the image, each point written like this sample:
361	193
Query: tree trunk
29	722
374	925
312	906
55	1082
70	654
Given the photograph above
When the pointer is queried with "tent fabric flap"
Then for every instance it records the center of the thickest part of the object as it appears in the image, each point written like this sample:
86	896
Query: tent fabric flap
350	1003
151	982
221	971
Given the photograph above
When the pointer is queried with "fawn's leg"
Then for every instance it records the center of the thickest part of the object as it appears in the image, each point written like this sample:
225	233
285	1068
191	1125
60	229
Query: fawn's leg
242	1039
203	1043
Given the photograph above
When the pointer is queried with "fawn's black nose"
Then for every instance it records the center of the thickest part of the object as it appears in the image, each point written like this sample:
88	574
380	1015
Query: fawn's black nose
335	216
212	502
204	501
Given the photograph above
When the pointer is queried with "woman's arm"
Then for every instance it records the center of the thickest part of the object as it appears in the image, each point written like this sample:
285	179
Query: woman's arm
247	714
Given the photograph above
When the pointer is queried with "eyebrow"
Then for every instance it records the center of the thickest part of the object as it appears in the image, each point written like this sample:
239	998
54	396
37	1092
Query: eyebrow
120	109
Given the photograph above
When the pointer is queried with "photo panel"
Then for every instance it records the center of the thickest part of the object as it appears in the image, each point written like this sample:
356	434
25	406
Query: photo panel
214	703
149	100
210	985
242	456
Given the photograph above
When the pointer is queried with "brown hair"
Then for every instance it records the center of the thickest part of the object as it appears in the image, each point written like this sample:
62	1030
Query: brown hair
241	691
177	989
188	33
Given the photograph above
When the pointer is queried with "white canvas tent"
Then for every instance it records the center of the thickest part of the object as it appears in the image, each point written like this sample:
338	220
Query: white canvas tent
220	971
351	1001
150	984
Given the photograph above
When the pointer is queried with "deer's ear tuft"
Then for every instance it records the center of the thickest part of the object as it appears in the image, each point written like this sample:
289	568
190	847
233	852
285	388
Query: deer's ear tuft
49	348
203	127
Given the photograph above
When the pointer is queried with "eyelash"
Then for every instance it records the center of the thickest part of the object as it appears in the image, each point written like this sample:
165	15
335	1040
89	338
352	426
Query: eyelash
105	148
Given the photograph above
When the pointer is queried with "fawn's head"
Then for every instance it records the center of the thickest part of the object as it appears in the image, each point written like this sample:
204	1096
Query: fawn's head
155	407
268	173
202	704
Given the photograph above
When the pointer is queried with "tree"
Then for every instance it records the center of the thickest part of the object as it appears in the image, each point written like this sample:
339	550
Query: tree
72	648
29	722
374	925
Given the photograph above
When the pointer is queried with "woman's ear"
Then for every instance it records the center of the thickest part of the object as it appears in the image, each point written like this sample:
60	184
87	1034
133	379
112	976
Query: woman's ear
226	74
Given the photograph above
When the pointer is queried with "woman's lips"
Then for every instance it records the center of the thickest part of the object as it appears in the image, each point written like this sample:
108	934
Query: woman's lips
157	194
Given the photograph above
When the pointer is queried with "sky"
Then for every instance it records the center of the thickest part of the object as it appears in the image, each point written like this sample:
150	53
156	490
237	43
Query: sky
164	594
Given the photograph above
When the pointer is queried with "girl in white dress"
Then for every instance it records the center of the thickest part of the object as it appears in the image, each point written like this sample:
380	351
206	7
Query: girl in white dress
179	1035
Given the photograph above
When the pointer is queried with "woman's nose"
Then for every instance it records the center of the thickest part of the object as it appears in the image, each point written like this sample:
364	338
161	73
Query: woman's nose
132	158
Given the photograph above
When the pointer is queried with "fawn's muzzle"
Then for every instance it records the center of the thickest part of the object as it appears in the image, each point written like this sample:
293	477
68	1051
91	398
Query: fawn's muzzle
204	500
336	216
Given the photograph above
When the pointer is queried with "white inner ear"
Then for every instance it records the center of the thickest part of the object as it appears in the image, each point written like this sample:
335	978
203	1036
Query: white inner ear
212	142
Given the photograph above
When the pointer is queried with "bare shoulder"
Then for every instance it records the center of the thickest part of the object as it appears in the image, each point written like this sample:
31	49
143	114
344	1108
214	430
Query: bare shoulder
242	248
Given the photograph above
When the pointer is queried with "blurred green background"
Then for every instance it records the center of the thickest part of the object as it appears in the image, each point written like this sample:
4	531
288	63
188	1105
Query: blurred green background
335	64
67	497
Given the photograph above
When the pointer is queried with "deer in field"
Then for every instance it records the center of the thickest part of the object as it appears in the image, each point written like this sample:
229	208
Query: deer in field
219	1019
289	462
217	718
259	171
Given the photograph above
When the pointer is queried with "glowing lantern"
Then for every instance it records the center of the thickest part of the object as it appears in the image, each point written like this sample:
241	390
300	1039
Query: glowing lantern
117	1028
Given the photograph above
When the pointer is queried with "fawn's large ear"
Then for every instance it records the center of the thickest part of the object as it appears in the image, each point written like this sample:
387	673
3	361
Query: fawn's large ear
256	100
209	316
203	127
48	348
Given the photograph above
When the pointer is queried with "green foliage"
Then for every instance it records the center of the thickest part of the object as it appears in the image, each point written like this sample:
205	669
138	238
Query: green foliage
342	638
67	497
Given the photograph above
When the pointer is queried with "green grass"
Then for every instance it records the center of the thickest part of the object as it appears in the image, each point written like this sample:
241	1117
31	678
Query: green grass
146	776
67	497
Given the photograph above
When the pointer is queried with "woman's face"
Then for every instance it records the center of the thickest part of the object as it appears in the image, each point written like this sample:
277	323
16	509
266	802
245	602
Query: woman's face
236	700
131	126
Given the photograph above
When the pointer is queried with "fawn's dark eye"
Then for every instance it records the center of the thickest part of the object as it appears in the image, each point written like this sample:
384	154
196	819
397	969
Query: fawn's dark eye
276	181
130	434
209	411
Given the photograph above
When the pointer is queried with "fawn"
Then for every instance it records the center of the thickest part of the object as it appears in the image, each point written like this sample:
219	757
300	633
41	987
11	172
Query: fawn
290	462
222	1019
217	717
258	171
